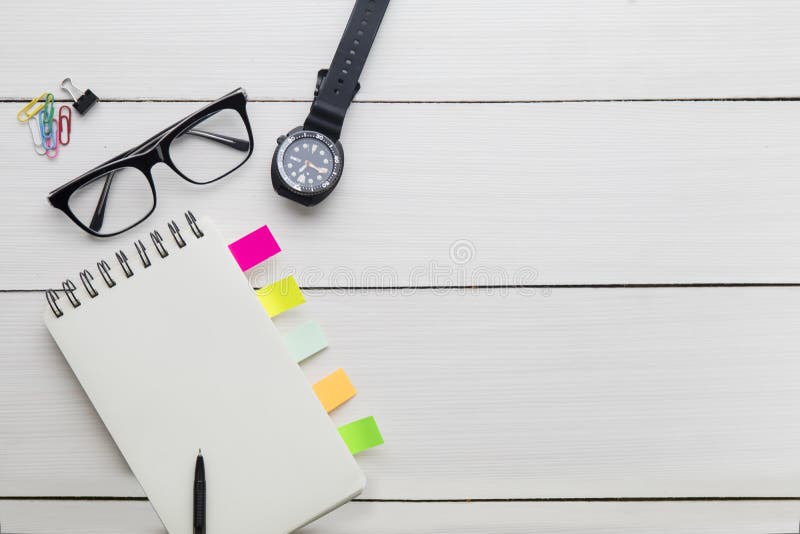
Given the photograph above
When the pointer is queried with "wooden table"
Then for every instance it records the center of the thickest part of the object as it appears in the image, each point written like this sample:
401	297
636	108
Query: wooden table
562	267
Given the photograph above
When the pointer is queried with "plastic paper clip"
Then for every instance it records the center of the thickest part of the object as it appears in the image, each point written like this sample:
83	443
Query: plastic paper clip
49	107
50	139
49	136
44	126
52	153
30	110
47	133
64	124
36	133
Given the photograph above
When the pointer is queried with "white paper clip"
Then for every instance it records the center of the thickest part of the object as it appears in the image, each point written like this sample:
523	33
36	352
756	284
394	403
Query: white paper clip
36	134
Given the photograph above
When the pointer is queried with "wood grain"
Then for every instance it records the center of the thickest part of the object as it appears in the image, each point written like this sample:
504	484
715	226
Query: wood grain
490	394
445	50
580	193
49	517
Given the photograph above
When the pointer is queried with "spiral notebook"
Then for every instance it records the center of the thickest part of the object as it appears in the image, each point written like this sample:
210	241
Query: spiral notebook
180	356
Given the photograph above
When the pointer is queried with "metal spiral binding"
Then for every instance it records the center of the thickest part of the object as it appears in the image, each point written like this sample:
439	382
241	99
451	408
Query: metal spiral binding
142	253
86	278
104	268
192	221
69	290
52	297
122	258
176	234
158	241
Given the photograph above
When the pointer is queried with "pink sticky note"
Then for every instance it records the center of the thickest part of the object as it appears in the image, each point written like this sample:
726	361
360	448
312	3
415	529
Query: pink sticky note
254	248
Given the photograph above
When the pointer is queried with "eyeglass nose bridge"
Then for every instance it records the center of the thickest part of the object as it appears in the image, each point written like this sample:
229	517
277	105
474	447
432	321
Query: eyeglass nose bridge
153	157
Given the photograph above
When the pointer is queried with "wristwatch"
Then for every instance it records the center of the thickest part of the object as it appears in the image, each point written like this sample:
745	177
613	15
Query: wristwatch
308	161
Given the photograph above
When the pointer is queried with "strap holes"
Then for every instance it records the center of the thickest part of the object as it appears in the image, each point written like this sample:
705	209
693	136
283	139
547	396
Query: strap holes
360	33
348	62
356	42
341	81
352	52
344	71
364	22
336	91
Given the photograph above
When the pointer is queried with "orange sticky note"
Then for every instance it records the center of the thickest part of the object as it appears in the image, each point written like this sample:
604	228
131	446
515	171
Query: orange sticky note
334	390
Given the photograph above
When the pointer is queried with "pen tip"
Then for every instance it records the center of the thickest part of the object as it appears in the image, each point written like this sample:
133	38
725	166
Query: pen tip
199	452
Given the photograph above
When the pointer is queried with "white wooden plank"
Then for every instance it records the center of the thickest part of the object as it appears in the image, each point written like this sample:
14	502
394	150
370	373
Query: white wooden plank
82	517
445	50
79	517
531	193
490	394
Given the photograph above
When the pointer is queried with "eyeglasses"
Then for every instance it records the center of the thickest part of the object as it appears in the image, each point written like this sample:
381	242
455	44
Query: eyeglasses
204	147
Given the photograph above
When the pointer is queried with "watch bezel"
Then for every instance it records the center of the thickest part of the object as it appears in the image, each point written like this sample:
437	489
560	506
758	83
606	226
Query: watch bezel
334	147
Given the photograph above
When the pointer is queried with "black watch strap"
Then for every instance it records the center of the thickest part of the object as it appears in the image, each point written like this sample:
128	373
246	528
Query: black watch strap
339	85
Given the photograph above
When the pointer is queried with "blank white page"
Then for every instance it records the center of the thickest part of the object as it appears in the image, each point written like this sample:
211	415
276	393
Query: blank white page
182	356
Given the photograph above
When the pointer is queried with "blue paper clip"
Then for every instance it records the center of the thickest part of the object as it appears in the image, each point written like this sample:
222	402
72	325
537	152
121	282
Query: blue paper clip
48	129
44	125
51	149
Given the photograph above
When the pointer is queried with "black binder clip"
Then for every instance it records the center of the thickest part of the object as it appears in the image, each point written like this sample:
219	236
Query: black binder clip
176	234
83	100
155	235
86	278
69	290
52	297
142	253
105	270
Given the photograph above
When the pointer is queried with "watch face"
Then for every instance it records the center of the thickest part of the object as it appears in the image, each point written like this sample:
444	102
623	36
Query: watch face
309	162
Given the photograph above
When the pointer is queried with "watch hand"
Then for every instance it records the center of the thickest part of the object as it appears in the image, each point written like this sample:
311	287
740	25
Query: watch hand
301	169
318	169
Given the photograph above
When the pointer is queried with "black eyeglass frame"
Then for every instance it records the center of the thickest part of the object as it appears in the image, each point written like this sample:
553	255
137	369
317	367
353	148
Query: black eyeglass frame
152	151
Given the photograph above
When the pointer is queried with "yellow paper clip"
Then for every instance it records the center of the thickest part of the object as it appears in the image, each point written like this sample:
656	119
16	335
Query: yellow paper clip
26	113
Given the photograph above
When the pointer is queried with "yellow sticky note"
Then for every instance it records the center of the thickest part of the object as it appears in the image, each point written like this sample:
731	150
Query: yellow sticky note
334	390
280	296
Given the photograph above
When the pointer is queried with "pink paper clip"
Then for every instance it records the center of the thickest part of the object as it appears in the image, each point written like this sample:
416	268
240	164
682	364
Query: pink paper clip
52	148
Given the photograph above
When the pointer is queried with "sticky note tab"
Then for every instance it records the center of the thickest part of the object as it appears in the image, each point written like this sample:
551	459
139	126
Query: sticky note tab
254	248
361	435
334	390
280	296
305	340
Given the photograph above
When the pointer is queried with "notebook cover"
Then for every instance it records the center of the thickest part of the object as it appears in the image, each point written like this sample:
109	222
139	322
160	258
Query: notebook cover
182	356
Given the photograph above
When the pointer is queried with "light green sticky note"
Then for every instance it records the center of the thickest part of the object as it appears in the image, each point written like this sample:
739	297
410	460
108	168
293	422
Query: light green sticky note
305	340
361	435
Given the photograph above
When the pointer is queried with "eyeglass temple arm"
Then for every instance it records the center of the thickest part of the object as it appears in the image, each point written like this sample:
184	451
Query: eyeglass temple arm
242	145
233	142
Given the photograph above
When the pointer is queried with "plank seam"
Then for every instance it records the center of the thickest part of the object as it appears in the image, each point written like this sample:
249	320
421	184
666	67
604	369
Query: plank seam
424	501
22	100
686	285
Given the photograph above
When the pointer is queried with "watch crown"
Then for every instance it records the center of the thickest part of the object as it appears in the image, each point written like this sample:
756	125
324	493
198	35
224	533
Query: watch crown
281	139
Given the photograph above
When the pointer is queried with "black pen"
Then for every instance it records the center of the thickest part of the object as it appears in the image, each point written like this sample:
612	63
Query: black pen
199	495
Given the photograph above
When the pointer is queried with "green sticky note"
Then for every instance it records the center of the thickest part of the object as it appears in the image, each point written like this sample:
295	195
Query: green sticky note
305	340
280	296
361	435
